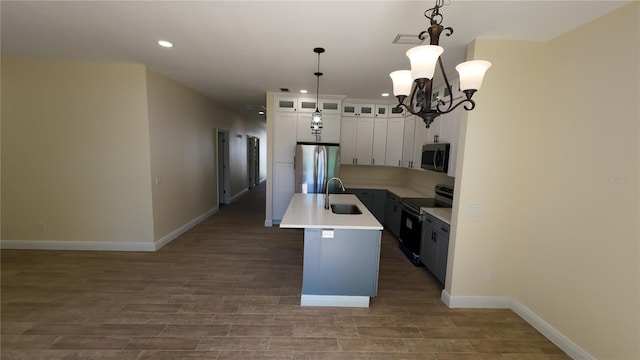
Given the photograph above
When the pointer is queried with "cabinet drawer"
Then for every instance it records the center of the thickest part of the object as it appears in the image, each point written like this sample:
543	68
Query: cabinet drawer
437	224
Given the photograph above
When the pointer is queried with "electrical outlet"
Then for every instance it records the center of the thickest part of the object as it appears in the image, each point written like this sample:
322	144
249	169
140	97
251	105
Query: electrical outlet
41	227
492	276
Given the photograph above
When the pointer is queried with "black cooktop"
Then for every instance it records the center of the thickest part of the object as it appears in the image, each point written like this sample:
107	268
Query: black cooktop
426	202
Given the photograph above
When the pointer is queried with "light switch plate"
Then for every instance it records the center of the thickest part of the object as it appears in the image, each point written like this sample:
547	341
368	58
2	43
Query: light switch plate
474	210
327	234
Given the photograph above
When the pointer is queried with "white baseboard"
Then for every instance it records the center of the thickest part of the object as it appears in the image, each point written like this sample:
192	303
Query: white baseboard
551	333
104	245
476	302
236	196
184	228
76	245
334	300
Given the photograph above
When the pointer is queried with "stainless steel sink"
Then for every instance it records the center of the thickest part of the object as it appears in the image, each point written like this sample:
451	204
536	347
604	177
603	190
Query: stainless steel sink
345	209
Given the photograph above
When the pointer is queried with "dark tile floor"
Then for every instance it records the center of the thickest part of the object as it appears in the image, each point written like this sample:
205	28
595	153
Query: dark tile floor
229	289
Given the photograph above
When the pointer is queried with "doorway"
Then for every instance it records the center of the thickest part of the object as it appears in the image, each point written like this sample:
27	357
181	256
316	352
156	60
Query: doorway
253	160
224	181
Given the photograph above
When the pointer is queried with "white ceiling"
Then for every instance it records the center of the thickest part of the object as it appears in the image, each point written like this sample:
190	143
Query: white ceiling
236	51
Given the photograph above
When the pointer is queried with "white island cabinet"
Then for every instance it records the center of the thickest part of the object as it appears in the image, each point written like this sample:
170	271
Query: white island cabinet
341	251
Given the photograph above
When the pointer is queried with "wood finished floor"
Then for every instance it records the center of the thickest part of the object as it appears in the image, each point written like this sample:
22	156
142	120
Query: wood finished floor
229	289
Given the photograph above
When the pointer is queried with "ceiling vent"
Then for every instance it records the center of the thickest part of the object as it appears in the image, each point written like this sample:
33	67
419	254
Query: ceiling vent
411	39
256	107
284	90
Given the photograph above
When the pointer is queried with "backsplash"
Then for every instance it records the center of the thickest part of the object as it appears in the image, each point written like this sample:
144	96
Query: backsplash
422	181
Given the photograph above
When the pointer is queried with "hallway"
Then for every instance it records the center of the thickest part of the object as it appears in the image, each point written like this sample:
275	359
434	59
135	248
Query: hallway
230	289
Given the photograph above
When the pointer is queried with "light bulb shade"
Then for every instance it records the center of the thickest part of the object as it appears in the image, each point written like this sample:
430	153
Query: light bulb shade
423	60
472	74
316	122
402	82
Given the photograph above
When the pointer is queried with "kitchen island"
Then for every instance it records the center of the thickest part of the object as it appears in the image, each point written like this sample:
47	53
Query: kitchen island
341	251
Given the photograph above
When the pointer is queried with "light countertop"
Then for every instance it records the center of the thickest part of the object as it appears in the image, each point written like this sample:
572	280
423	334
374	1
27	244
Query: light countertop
443	214
307	211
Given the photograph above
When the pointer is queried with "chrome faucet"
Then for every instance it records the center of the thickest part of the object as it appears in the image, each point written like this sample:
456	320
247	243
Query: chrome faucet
326	197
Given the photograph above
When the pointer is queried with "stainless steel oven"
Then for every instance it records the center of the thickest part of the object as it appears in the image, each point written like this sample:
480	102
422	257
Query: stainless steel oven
411	219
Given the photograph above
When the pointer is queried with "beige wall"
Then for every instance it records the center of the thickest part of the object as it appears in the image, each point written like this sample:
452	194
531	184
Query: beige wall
553	159
182	127
75	152
82	144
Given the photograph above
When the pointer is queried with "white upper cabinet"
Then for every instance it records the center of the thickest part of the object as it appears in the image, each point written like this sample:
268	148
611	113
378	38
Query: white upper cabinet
421	137
303	107
356	141
449	133
284	137
408	141
307	105
289	103
286	103
330	106
359	110
364	141
379	140
330	128
397	112
348	140
394	141
382	111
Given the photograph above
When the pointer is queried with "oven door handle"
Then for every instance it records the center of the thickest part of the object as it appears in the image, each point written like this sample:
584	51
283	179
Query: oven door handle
410	211
419	215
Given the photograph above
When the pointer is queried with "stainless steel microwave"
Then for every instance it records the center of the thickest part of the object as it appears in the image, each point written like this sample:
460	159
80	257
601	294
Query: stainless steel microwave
435	157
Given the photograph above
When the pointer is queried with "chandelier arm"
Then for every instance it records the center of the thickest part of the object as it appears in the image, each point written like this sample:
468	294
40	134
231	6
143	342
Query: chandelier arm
417	113
470	106
448	85
414	91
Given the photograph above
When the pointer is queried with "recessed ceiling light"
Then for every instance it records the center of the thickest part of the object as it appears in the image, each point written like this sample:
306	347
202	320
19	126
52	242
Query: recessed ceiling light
303	91
385	94
165	43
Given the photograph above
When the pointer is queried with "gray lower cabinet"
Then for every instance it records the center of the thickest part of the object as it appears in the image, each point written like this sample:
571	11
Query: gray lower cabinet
345	264
393	213
379	203
373	199
434	246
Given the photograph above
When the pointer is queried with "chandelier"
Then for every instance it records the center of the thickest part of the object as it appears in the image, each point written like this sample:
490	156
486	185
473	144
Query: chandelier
316	118
418	82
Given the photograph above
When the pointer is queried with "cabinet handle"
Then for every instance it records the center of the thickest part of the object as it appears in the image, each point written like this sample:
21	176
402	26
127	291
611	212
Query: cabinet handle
399	162
444	229
373	161
434	236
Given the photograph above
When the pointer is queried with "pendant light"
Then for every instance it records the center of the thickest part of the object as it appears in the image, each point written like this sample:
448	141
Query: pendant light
316	118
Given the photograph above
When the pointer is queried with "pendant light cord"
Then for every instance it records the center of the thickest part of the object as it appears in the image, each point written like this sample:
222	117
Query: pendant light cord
319	51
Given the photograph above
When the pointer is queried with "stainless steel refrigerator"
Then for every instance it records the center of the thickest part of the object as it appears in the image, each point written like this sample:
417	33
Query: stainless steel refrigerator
315	165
